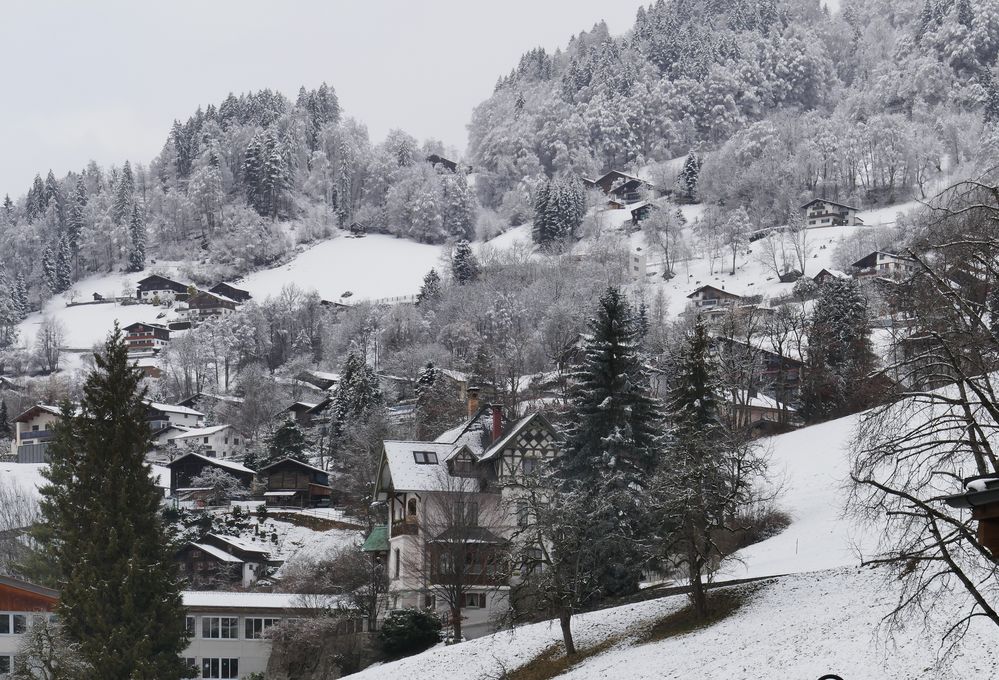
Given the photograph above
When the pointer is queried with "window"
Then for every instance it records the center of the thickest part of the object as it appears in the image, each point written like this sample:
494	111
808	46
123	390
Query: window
220	668
206	440
220	628
425	457
430	601
191	662
466	513
475	600
6	663
13	624
528	465
523	514
189	622
255	627
411	508
396	563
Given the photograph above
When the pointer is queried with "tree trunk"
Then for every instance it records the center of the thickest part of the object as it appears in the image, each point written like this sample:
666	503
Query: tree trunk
456	623
565	621
698	597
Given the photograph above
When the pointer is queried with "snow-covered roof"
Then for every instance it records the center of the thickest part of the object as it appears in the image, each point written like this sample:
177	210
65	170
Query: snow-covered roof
200	432
241	544
407	474
37	409
758	400
834	272
221	462
173	408
217	553
459	376
296	462
194	599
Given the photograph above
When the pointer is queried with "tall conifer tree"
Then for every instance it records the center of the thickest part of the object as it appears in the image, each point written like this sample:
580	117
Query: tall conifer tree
119	591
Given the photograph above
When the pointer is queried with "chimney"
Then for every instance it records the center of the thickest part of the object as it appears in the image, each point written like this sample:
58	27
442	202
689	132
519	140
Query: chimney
497	420
473	400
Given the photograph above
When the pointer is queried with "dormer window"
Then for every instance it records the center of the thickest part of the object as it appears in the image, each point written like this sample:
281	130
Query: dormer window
425	457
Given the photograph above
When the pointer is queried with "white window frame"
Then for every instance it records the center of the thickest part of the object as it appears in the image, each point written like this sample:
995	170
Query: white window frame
11	619
252	621
224	665
213	624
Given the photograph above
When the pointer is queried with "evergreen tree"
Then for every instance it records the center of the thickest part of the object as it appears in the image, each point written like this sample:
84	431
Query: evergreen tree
464	264
840	359
50	270
559	208
612	439
9	311
253	170
274	175
965	14
8	211
693	486
687	179
438	407
288	441
4	418
119	589
357	391
21	295
458	210
137	242
121	206
64	265
430	291
74	225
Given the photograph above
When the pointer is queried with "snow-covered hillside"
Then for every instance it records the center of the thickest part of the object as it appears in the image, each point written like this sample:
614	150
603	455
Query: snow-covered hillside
822	617
373	267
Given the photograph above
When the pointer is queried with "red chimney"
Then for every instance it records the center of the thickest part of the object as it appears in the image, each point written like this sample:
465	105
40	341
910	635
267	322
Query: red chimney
497	420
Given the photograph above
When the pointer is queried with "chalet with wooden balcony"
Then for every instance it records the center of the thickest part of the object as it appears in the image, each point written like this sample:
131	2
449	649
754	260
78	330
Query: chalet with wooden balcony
185	469
711	296
449	508
218	561
20	603
203	305
884	264
821	212
146	339
156	289
291	482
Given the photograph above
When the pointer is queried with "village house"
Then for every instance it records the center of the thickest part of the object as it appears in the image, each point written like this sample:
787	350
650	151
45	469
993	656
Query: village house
293	483
33	430
624	188
190	466
827	275
164	415
641	211
20	604
218	561
300	412
439	161
228	290
773	373
821	212
158	289
471	473
884	264
758	413
216	441
203	305
226	629
145	339
324	380
710	296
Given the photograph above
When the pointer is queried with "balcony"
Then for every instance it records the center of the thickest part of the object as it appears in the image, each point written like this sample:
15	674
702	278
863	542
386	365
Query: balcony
405	527
36	436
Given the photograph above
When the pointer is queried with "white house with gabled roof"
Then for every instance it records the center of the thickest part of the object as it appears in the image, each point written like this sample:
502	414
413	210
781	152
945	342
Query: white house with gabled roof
475	468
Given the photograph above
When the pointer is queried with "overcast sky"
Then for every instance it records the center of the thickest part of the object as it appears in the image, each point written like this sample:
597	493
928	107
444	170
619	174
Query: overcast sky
104	80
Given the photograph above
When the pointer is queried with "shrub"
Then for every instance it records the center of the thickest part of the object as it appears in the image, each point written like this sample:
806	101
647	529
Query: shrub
409	631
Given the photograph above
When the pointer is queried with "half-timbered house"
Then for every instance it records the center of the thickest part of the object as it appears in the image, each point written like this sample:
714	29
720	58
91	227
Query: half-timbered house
453	501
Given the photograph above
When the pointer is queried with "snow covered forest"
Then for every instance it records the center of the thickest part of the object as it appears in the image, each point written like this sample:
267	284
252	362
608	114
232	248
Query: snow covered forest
698	335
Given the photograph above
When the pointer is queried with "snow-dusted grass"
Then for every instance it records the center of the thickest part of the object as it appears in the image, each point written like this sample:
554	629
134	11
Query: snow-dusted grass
801	626
373	267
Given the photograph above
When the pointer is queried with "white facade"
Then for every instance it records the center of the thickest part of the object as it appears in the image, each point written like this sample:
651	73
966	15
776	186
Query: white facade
32	432
221	441
227	629
821	213
176	415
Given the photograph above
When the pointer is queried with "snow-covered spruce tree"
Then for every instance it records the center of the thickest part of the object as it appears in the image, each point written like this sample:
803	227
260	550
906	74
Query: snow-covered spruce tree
357	393
119	594
430	290
559	208
837	377
75	221
612	440
137	242
121	205
706	472
458	210
687	179
64	264
437	406
464	265
50	270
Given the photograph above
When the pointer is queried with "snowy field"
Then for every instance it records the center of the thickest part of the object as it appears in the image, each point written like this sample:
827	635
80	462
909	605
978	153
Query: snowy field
793	628
373	267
